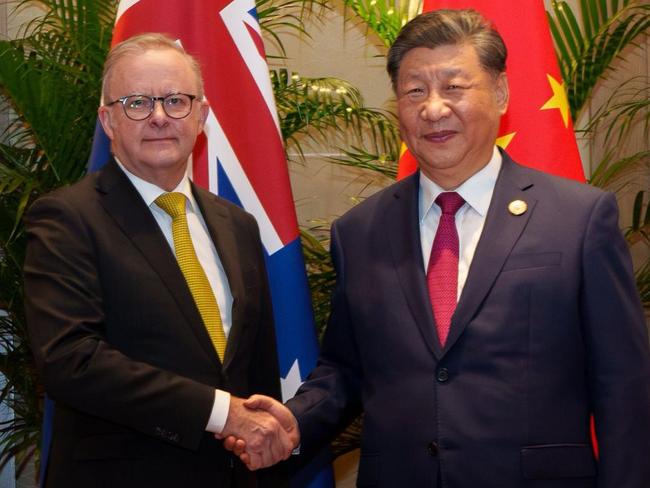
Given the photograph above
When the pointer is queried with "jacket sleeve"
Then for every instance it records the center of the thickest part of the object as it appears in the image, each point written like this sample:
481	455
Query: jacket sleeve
618	353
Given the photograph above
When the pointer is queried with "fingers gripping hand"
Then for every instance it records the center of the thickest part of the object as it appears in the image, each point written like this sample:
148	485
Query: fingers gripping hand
231	443
282	414
237	446
256	435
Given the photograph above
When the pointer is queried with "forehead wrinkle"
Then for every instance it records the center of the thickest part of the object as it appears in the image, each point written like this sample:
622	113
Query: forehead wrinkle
424	74
152	93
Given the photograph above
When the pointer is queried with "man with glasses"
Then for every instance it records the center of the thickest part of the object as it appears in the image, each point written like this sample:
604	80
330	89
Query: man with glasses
147	302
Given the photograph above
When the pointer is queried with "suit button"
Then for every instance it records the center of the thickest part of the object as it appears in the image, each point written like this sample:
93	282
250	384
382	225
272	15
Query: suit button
432	447
443	375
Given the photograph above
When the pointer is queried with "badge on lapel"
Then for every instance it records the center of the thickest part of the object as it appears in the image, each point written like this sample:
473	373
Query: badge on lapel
517	207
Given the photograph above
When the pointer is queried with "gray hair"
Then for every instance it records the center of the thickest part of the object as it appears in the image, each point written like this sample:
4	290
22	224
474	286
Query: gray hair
449	27
137	45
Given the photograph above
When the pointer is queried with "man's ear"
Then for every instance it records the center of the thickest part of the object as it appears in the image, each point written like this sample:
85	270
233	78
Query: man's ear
204	111
502	92
106	119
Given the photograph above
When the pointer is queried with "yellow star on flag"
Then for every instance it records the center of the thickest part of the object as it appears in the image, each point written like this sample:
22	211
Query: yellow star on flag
559	99
504	140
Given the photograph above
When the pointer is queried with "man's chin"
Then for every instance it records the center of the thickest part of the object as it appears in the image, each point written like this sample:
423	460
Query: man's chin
164	157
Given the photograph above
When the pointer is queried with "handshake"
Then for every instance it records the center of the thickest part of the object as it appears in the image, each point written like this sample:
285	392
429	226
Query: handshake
260	430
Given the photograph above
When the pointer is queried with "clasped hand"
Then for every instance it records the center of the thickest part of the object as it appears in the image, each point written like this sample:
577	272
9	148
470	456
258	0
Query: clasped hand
260	430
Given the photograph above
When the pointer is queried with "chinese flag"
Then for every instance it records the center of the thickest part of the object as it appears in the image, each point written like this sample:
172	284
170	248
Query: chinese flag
537	130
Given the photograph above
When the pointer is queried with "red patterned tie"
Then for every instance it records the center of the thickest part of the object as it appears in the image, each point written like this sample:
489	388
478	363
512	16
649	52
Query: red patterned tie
442	272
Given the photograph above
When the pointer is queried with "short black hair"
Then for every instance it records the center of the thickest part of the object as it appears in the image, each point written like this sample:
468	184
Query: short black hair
449	27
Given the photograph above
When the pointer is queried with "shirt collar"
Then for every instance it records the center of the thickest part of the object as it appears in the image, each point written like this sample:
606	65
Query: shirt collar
149	192
476	190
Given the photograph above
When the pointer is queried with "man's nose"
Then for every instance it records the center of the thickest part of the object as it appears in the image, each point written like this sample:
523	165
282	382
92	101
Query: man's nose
158	114
435	107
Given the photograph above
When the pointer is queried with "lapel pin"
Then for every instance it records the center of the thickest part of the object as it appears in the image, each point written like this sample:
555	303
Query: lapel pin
517	207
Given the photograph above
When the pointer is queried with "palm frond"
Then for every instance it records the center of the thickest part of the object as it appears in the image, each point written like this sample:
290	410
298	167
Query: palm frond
627	107
642	276
384	163
610	168
384	17
586	51
50	78
287	15
330	111
624	111
639	229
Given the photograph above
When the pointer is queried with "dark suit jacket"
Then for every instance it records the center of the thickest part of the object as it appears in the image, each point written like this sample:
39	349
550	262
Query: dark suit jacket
548	329
121	345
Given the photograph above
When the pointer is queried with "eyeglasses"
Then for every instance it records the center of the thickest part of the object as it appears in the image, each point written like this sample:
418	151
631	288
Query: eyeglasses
140	107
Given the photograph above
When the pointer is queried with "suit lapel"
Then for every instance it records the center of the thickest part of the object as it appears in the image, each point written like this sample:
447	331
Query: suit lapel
403	231
500	233
220	226
124	204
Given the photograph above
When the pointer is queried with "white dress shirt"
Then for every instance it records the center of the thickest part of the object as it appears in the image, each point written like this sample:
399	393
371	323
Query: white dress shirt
477	192
209	259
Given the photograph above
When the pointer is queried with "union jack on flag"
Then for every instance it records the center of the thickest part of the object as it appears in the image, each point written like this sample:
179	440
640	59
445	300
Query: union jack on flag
240	156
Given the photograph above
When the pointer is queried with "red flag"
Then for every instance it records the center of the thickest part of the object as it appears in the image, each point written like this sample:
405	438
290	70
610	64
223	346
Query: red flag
537	130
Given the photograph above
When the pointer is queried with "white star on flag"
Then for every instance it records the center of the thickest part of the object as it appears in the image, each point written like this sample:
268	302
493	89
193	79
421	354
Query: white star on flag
292	382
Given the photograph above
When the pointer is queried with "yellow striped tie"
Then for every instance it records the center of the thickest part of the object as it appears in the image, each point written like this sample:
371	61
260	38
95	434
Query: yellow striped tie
174	205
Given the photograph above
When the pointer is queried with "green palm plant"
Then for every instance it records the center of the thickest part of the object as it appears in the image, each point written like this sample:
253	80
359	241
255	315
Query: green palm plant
383	20
384	17
50	79
322	108
286	15
587	50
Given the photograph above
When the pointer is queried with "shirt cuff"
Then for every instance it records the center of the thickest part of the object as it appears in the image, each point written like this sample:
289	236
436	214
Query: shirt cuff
219	414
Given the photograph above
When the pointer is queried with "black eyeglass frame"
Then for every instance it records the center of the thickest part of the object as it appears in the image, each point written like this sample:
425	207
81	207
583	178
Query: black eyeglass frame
122	100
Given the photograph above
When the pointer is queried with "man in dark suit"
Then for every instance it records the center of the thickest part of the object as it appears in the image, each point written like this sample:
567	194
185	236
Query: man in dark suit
130	305
483	311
